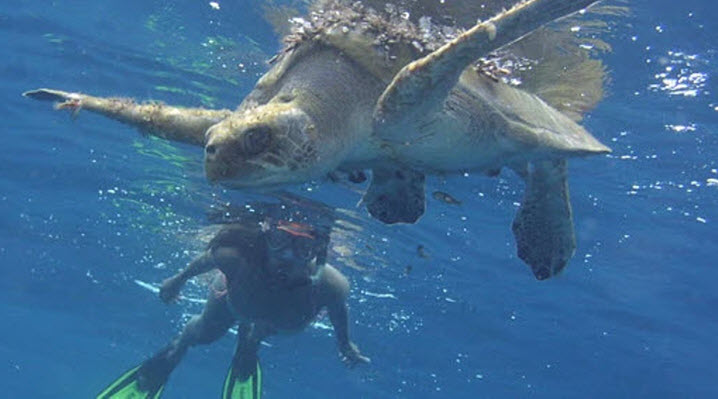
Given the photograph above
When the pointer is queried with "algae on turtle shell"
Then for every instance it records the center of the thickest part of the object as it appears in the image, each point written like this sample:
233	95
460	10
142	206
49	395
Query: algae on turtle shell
559	62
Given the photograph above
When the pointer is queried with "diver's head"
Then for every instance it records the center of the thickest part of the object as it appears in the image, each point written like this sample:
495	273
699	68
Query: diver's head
271	144
292	251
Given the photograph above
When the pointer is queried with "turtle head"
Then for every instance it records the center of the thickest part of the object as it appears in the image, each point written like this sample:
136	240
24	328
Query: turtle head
269	145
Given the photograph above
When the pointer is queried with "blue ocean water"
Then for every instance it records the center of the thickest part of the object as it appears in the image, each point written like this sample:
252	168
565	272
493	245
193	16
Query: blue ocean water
91	214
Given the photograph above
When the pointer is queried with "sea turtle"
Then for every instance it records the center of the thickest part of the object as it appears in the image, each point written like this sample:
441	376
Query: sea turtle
354	90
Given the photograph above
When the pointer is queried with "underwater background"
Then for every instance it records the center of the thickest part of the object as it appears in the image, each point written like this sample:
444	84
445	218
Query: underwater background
93	216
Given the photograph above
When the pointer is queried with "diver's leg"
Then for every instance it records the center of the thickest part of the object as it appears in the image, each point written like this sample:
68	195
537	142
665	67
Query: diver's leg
201	329
187	125
147	380
249	337
244	379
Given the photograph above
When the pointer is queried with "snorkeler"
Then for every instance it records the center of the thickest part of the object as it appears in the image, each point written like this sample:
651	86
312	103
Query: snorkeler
271	279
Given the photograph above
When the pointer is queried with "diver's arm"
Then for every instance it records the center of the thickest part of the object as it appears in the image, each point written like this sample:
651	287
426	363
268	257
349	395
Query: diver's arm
336	290
339	316
187	125
171	287
348	351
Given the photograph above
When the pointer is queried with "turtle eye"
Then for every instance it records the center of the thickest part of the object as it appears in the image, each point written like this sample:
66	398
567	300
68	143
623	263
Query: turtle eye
255	140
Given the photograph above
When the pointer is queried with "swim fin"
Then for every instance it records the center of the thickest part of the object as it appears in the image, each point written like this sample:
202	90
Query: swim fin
127	387
237	386
146	381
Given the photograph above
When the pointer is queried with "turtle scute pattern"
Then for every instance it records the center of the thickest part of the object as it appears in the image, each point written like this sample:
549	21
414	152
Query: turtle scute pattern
556	62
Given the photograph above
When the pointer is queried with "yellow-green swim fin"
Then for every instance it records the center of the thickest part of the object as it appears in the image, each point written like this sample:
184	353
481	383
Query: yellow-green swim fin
127	387
146	381
237	386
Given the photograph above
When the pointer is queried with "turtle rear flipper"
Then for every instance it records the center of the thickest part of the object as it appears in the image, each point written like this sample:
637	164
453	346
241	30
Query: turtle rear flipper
535	129
543	226
395	195
421	86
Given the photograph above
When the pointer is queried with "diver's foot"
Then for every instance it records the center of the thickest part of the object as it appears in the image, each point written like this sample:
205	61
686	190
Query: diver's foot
146	381
244	379
154	371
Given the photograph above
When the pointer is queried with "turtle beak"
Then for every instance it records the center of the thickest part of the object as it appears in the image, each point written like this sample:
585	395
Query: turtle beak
223	158
224	164
214	167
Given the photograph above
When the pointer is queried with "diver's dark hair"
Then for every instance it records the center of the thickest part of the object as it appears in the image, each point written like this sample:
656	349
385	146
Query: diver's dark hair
247	238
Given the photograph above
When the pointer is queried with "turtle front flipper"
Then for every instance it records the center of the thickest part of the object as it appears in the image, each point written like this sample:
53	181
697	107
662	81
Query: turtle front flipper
421	86
543	227
395	195
187	125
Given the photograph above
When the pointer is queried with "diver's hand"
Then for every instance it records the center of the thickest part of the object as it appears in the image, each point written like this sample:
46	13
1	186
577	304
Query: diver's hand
170	289
350	355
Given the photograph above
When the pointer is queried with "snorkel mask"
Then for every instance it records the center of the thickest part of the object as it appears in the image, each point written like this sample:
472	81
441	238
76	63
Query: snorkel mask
297	237
293	251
